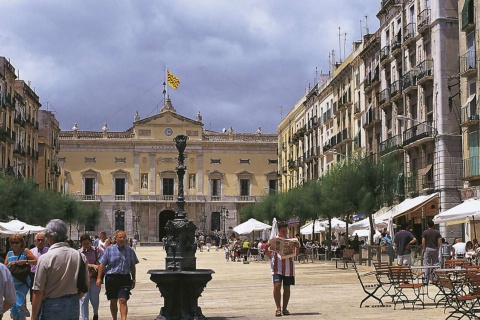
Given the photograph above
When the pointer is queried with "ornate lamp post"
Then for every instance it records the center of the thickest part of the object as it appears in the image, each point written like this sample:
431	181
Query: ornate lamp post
203	220
181	283
136	220
224	216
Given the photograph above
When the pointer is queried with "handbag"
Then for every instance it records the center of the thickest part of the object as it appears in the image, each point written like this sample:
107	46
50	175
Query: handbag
82	285
20	272
91	271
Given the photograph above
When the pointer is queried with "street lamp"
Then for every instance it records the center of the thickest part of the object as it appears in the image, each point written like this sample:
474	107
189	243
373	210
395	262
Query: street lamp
136	220
224	216
402	117
330	151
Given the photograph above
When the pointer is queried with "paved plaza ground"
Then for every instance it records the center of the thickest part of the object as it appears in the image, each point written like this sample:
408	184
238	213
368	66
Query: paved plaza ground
244	291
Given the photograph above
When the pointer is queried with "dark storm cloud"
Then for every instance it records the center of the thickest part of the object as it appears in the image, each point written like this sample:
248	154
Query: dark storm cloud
238	61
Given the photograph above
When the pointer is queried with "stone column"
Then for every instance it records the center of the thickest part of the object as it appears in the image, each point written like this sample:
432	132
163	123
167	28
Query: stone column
136	173
151	185
200	173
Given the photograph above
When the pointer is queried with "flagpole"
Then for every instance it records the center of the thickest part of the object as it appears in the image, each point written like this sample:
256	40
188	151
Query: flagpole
165	87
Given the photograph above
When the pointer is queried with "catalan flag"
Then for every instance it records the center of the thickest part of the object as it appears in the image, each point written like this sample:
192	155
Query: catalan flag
172	80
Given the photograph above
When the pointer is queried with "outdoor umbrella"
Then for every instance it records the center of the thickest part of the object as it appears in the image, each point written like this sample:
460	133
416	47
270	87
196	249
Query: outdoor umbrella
250	226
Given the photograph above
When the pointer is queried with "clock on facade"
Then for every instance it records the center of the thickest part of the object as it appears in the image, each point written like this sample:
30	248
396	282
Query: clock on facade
168	131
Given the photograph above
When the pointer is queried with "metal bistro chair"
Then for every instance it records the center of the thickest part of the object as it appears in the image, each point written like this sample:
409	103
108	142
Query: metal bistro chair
403	279
371	287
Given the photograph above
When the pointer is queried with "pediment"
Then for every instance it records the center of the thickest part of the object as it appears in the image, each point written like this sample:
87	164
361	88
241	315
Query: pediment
89	172
120	172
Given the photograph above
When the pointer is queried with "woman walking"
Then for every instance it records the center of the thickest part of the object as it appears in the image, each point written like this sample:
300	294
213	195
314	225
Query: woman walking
19	255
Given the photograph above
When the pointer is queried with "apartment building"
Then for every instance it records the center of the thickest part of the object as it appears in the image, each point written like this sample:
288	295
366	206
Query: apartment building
50	175
131	174
396	95
18	124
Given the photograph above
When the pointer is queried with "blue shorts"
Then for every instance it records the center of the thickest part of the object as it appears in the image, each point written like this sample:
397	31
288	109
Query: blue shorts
287	281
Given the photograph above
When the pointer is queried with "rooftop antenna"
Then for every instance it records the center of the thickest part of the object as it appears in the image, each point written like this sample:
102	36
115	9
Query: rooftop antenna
316	75
281	113
366	24
339	45
361	30
344	43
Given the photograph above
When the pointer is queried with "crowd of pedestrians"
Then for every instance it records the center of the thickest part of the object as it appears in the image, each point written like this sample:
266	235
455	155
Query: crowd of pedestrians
63	280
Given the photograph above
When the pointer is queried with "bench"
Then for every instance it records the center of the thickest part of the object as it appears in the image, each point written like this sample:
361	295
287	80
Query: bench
347	257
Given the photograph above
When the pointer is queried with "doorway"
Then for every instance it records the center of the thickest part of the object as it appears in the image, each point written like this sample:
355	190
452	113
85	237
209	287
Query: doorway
163	218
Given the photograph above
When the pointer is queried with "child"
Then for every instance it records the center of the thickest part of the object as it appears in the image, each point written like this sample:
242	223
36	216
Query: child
227	252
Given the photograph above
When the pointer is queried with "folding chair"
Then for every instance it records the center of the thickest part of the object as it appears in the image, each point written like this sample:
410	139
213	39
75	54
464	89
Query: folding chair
382	275
371	288
470	301
449	291
403	279
321	252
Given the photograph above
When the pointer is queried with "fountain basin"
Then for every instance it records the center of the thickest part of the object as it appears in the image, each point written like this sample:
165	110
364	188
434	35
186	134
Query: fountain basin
180	291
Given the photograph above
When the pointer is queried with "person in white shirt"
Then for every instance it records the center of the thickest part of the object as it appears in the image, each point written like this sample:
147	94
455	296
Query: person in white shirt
458	248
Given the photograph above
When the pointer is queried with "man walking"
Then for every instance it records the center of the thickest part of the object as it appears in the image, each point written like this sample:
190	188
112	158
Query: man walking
431	242
55	291
403	240
38	251
7	290
283	271
118	262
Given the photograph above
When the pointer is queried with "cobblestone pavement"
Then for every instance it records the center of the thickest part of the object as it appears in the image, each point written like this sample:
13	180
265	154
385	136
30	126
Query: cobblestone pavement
244	291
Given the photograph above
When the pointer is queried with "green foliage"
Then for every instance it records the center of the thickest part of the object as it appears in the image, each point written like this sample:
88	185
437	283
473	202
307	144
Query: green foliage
23	200
358	185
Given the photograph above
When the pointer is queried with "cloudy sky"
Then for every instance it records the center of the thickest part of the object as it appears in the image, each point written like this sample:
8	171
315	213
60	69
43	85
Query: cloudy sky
239	62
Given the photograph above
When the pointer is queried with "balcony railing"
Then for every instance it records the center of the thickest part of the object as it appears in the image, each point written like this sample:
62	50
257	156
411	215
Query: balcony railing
246	199
384	96
423	19
371	116
417	132
396	88
392	143
467	62
470	111
425	69
471	167
427	181
410	30
215	198
119	197
384	53
409	79
395	45
357	107
88	197
411	183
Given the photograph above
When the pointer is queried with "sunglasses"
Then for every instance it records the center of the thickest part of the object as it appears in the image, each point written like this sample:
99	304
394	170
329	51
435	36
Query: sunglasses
16	242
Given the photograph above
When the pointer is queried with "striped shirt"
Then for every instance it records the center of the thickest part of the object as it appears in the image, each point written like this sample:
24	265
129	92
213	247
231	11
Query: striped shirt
285	267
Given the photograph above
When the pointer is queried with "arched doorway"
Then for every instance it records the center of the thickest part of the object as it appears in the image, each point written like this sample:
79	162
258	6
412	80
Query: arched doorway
162	221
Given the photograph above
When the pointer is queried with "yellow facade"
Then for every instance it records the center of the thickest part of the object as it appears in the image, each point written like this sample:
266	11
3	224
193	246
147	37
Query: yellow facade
132	176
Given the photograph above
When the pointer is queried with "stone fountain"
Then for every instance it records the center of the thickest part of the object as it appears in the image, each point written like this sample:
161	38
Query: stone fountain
180	284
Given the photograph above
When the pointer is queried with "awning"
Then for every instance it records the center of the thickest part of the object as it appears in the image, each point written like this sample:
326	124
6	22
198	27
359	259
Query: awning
365	224
410	205
309	229
337	224
470	98
17	226
469	209
425	170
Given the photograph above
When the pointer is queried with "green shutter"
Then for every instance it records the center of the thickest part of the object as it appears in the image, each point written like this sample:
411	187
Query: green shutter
467	13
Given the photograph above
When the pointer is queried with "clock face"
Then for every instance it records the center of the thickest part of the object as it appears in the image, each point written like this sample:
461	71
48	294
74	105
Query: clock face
168	131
